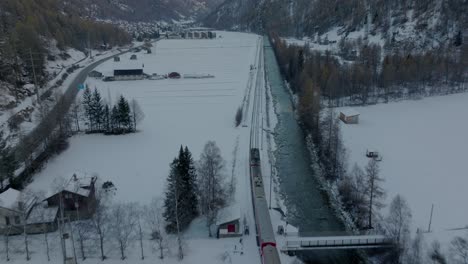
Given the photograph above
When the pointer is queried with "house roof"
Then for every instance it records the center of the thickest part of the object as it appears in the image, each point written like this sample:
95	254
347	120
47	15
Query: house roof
78	184
349	112
228	214
9	199
40	214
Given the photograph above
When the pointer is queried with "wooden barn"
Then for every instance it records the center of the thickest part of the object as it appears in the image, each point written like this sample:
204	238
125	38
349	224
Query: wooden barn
77	198
349	116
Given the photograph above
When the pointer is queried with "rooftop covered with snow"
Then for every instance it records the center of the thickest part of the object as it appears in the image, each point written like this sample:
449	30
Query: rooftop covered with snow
349	112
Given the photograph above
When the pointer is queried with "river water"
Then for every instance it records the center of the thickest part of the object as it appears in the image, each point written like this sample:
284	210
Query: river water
307	206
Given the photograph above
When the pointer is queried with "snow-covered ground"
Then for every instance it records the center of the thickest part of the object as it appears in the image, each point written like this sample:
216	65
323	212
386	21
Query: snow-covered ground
423	144
185	112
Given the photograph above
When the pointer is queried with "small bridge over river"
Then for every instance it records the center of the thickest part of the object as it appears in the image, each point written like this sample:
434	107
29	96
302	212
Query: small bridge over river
293	243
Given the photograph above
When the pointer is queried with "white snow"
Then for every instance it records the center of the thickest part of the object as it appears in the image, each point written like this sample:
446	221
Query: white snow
178	112
423	144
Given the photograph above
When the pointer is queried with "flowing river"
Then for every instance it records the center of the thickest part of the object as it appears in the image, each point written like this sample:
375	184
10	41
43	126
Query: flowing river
308	207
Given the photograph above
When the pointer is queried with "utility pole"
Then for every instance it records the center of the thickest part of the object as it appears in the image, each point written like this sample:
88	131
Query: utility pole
36	88
430	219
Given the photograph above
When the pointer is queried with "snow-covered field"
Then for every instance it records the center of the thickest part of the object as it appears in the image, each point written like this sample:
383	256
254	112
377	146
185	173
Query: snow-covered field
185	112
423	144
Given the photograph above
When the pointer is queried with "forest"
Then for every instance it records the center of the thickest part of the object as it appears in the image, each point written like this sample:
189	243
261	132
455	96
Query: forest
27	29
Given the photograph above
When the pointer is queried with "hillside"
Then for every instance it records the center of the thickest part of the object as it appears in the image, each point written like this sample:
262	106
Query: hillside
141	10
429	23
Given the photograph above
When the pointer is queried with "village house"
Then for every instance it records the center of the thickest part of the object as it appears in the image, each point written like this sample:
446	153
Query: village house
349	116
14	210
77	198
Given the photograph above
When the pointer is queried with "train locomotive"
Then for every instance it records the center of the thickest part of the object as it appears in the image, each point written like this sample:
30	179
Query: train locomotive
265	235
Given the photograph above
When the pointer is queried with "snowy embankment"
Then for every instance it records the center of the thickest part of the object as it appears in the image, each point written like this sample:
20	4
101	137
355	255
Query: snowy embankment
423	144
178	112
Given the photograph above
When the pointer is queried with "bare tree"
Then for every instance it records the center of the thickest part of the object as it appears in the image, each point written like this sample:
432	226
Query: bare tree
101	218
374	191
76	110
6	234
140	233
155	220
459	249
211	183
397	226
436	255
123	224
25	203
137	113
83	229
415	255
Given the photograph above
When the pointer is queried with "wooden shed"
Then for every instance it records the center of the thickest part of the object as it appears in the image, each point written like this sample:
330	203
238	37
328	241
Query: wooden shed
349	116
228	222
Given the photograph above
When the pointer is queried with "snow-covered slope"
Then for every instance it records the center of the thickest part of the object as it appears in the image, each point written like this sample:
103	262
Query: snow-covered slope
426	23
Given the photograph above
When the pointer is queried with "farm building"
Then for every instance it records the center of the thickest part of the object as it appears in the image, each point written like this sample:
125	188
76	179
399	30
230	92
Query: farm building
77	197
133	57
128	74
349	116
228	222
95	74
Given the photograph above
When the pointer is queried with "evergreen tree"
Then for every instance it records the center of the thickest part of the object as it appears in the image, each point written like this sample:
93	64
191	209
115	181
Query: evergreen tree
97	110
190	201
171	203
181	203
124	114
8	163
115	120
107	118
88	106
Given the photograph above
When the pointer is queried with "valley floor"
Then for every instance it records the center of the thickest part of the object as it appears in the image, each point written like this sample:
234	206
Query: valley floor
423	144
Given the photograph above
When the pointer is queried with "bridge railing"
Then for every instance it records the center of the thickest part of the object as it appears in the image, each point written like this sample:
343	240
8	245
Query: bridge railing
338	242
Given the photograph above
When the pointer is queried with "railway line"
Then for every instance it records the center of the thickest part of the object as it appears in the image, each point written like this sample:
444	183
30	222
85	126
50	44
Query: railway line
265	234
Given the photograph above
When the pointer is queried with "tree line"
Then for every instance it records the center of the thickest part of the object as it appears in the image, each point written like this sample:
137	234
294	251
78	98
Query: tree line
121	118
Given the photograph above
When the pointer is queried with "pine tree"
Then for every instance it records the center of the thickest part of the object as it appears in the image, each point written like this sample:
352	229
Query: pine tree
190	201
98	110
181	203
107	118
8	163
115	120
88	106
124	114
171	206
